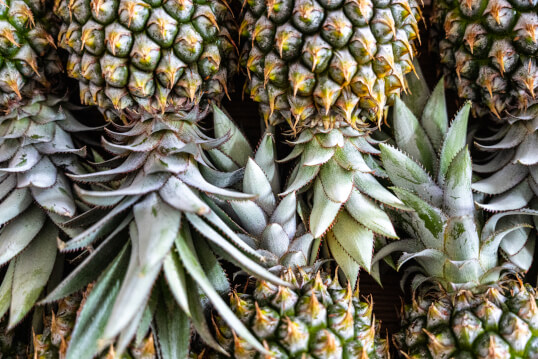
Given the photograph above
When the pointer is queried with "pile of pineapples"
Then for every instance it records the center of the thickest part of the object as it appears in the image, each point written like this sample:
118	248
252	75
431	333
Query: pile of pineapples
137	220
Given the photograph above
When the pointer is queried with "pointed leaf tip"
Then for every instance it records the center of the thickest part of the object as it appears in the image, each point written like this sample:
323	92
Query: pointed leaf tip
435	117
455	139
237	146
411	137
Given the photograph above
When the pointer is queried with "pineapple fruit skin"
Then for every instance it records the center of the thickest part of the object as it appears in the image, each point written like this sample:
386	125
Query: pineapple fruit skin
57	328
148	55
318	318
28	57
488	51
313	317
498	321
53	341
307	60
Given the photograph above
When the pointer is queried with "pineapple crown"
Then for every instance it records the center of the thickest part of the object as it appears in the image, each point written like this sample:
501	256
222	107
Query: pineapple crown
431	171
268	225
333	188
273	224
165	207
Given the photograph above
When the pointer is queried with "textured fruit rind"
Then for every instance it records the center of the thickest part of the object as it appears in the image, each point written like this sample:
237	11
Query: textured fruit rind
488	50
498	321
318	318
148	56
307	60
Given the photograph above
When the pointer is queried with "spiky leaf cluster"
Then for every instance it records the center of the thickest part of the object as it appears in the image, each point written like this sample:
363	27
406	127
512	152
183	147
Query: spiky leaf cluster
36	150
431	171
471	310
60	325
268	224
147	56
152	211
511	165
309	59
338	179
489	50
335	188
28	60
316	318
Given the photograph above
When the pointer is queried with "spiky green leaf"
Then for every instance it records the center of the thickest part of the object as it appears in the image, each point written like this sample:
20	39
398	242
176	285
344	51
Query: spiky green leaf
457	195
369	185
265	158
337	182
355	239
172	328
406	173
256	182
19	233
369	214
32	271
136	285
91	322
14	204
350	267
192	265
435	116
418	92
237	146
411	137
89	269
324	211
175	277
246	263
454	140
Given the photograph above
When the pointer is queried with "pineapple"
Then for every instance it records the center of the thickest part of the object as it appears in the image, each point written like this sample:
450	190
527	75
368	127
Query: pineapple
155	69
488	52
309	62
137	56
318	318
335	178
28	56
36	149
329	68
58	326
315	317
35	197
150	210
469	300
